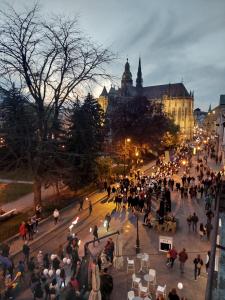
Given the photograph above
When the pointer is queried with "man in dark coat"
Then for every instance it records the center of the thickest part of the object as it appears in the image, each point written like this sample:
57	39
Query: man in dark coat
106	285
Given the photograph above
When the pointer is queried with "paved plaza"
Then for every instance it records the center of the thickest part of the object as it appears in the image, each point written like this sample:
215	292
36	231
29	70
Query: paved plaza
50	236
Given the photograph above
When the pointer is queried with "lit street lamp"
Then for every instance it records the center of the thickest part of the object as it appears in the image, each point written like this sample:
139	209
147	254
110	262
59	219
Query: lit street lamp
126	140
198	150
137	235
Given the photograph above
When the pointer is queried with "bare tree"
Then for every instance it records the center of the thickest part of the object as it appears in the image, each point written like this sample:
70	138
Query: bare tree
51	59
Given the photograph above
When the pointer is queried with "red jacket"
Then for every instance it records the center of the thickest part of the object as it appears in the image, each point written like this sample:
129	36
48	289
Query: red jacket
22	229
183	256
173	253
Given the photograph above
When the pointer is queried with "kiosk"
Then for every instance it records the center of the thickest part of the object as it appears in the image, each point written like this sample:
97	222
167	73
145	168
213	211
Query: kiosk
165	243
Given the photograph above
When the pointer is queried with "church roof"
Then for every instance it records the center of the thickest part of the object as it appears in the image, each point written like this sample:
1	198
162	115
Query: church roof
112	91
104	92
172	90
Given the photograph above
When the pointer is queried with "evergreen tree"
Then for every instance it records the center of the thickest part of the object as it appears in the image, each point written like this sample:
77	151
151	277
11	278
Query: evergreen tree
19	129
86	135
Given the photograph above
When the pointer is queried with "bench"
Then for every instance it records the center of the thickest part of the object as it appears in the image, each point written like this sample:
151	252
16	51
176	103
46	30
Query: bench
8	214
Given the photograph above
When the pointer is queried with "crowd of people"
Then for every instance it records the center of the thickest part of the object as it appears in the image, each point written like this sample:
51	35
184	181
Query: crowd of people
56	275
53	275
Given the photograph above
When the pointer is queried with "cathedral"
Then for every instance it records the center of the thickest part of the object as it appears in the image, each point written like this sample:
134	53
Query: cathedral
176	101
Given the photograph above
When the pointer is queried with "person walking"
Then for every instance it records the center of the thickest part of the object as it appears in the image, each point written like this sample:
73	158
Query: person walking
173	295
21	269
208	228
108	191
202	231
40	260
95	234
189	220
26	252
56	215
197	266
29	226
38	211
182	259
81	202
207	261
23	231
107	221
90	207
106	284
173	256
194	222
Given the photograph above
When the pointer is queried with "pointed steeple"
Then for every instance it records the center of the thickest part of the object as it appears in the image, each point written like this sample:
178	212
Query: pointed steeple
210	109
104	92
139	80
127	76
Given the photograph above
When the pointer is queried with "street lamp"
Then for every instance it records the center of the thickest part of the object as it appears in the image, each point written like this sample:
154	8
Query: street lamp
126	140
137	235
198	148
137	154
184	163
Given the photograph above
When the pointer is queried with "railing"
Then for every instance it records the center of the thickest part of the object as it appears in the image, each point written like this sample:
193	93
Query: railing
211	270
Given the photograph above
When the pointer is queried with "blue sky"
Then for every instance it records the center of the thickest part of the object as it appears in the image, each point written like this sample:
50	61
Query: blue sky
178	40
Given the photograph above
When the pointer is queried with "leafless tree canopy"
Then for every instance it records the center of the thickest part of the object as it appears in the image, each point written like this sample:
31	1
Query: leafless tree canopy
51	58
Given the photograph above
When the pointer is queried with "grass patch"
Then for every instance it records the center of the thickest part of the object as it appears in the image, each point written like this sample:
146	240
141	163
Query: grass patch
12	191
17	174
64	199
10	227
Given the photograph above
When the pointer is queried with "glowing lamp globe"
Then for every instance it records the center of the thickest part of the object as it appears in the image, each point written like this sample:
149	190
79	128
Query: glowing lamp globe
64	260
52	256
180	285
58	271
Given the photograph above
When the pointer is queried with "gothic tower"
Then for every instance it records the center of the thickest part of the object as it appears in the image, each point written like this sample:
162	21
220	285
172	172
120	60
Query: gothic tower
126	81
103	99
139	80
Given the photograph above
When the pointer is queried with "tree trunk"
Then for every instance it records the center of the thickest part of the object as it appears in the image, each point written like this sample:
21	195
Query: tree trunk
57	188
37	192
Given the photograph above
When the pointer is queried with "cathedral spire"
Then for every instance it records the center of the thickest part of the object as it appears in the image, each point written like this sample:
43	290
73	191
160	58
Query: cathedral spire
139	80
210	109
104	92
127	76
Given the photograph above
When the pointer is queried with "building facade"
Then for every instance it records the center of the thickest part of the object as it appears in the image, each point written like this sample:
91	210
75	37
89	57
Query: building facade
176	101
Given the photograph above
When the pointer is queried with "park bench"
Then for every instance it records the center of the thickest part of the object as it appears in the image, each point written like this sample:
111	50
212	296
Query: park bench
7	214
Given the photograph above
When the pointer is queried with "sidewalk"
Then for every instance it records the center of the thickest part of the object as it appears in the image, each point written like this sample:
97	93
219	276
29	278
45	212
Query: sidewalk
15	181
47	225
27	200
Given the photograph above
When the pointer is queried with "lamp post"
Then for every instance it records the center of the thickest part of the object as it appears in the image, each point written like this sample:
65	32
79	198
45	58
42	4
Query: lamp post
137	235
198	149
126	140
184	163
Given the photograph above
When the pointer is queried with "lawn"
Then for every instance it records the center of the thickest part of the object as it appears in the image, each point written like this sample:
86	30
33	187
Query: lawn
18	174
12	191
11	226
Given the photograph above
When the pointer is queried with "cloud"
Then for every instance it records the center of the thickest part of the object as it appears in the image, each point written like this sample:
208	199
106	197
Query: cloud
175	38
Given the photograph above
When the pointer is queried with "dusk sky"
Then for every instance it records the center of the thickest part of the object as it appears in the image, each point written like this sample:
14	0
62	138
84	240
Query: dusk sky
177	40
